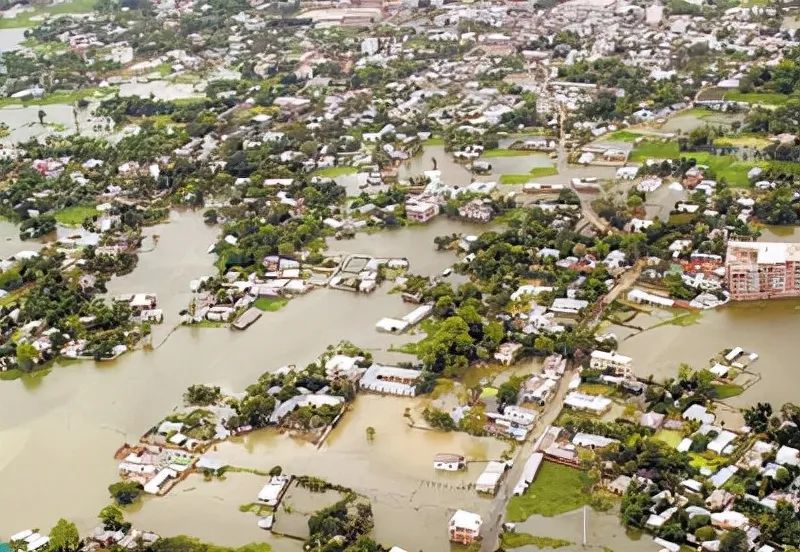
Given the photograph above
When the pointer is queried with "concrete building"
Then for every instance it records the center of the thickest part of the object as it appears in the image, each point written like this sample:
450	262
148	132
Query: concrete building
464	527
620	364
762	270
421	211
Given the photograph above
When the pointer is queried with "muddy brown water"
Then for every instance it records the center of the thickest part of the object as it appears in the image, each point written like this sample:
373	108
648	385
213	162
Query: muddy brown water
59	431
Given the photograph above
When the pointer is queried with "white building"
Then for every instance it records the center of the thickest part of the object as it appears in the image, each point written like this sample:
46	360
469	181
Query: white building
621	365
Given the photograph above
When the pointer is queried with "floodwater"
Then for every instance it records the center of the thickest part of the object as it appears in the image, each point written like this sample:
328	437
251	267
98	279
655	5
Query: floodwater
687	122
790	22
408	241
168	242
23	121
394	470
453	173
59	431
662	201
10	244
765	327
603	532
780	234
160	90
10	39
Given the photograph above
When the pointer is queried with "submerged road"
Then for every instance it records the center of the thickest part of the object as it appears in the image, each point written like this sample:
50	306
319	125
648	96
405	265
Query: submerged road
494	522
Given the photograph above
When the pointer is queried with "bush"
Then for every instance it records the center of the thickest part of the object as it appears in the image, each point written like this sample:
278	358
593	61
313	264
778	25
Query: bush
705	533
125	492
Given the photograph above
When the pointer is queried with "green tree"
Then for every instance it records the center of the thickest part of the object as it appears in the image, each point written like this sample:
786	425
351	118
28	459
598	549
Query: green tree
64	536
112	518
125	492
27	355
734	540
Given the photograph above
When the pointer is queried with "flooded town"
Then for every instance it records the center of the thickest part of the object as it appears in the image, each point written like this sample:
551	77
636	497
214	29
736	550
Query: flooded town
399	276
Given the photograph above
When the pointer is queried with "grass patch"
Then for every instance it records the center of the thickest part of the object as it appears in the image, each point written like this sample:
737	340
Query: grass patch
685	319
624	136
557	489
597	389
762	98
669	436
707	459
256	508
724	391
434	141
539	172
515	540
725	167
698	112
31	18
270	304
75	215
208	324
650	149
743	141
505	152
57	97
514	178
333	172
11	374
676	219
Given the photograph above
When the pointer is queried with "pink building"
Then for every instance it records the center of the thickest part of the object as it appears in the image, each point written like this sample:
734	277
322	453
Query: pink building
421	211
762	270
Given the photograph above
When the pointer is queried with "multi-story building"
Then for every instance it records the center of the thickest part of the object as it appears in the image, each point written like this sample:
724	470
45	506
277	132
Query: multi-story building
762	270
421	211
621	365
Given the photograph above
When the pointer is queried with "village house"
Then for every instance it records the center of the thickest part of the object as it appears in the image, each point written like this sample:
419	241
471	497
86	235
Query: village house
507	353
390	380
477	210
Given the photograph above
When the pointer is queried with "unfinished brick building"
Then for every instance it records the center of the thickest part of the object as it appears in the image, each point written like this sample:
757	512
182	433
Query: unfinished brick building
762	270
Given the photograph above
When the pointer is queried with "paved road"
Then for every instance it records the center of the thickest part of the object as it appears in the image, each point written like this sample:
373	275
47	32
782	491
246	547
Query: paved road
494	521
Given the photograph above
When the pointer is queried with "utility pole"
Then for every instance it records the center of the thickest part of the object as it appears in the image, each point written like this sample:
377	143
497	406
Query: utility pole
584	526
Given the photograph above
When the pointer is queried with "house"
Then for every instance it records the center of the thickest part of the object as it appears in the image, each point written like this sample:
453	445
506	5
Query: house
787	456
620	485
390	380
652	420
421	211
592	403
588	440
507	352
490	478
449	462
568	306
519	415
698	413
620	365
271	493
464	527
477	210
